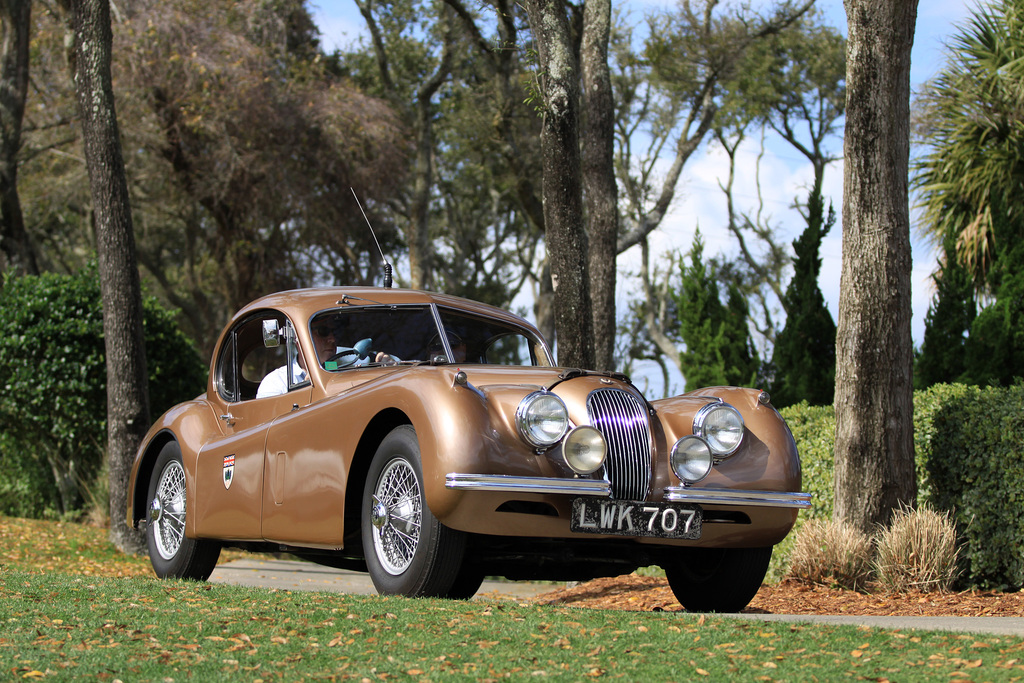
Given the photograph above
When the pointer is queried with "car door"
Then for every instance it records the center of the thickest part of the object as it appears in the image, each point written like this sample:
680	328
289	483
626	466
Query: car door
230	467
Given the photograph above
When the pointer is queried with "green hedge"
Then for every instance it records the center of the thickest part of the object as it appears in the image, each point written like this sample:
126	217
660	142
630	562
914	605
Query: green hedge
969	445
814	430
53	381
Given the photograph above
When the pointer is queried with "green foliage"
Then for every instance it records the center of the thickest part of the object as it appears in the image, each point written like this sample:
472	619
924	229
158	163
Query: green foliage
804	360
969	440
814	430
970	179
969	465
994	351
950	315
718	347
53	374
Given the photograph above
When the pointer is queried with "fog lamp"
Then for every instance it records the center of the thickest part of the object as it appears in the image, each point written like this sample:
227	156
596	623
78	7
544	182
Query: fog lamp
691	459
584	450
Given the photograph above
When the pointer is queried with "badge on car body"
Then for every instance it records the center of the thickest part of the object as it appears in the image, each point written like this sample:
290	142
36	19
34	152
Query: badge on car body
229	470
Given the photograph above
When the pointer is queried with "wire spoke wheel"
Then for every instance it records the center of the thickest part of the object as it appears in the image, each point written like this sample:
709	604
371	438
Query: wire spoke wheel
168	511
173	554
407	550
397	516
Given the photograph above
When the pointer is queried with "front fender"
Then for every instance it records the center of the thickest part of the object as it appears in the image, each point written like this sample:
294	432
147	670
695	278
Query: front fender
190	424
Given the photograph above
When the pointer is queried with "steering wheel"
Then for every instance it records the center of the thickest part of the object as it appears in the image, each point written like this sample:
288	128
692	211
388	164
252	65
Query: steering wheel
346	357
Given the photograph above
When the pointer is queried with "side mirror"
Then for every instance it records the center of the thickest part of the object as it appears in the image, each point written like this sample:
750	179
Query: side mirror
271	334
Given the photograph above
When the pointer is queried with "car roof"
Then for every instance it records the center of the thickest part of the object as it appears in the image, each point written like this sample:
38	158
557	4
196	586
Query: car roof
303	303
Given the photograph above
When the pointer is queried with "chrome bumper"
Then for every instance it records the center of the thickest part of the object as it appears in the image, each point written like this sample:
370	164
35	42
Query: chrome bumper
602	488
507	483
770	499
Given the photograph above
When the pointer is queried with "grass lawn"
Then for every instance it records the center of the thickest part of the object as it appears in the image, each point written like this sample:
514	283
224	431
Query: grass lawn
71	607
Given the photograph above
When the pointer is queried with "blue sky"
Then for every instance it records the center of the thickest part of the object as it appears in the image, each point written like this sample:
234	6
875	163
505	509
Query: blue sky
783	175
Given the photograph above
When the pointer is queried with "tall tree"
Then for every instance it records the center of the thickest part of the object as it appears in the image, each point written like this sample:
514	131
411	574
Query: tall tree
689	84
717	343
804	360
127	395
874	447
559	87
15	247
600	192
970	177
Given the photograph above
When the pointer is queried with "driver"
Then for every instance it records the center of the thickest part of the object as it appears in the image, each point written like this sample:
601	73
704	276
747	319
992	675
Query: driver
325	342
276	382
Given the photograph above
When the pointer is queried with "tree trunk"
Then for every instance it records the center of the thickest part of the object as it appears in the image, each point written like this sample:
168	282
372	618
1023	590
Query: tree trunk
421	253
127	396
15	246
874	447
562	188
600	193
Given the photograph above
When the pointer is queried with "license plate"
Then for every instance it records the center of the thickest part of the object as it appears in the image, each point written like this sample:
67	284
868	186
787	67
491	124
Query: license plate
632	518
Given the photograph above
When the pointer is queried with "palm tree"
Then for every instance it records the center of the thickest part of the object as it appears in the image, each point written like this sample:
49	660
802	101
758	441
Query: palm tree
970	179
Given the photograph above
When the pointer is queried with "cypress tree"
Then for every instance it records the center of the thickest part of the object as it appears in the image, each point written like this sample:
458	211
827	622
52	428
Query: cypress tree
717	340
804	360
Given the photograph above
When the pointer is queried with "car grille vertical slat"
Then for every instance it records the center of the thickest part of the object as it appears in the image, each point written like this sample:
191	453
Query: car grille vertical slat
622	419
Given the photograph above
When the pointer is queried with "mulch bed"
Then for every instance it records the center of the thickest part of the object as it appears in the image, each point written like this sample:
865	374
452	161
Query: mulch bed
647	594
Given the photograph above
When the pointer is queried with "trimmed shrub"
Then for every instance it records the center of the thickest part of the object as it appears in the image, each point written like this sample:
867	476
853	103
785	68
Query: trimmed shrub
833	554
969	439
970	465
918	551
53	380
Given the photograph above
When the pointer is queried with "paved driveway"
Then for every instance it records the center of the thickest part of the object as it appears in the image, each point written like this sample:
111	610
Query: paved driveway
292	575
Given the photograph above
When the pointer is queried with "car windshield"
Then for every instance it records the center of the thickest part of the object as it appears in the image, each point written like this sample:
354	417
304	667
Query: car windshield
355	336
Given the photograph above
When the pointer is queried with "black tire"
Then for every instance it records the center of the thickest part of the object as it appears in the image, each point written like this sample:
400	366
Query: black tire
467	583
173	555
718	579
408	552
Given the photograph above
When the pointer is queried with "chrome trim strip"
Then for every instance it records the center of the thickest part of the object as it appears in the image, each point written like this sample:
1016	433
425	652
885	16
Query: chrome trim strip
511	484
772	499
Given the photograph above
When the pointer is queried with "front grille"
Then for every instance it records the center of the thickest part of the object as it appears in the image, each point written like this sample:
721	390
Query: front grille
622	419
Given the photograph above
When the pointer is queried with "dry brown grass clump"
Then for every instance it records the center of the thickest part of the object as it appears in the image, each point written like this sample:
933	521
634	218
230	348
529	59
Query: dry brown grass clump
831	553
917	551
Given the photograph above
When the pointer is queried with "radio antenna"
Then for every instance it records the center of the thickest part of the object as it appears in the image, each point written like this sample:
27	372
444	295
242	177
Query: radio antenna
383	258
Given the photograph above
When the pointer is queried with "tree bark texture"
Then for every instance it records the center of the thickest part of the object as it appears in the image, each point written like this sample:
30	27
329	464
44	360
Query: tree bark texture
562	186
16	252
874	448
600	192
127	395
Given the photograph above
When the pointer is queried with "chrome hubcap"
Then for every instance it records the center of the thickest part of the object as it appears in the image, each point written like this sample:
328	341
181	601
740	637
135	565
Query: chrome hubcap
396	515
379	514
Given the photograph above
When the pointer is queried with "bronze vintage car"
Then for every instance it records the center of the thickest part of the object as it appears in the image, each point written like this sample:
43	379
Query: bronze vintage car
431	441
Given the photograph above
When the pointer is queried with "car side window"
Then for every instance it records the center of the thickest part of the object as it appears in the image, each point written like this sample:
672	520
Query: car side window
249	368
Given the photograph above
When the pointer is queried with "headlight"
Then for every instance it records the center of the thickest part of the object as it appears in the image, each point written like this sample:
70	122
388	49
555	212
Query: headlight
542	419
691	459
721	426
584	450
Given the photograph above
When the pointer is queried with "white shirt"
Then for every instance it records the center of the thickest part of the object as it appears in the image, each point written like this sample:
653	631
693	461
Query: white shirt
276	383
